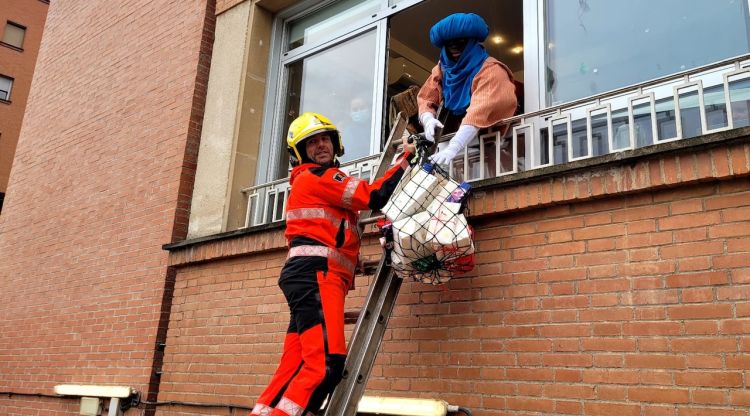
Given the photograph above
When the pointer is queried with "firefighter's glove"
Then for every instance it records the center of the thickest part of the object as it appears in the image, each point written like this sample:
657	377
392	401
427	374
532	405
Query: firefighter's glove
430	123
464	135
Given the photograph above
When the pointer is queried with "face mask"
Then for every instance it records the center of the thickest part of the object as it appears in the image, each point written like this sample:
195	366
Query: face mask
359	116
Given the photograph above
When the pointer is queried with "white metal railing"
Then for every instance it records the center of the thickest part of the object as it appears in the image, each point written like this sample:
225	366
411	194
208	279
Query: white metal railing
267	202
700	101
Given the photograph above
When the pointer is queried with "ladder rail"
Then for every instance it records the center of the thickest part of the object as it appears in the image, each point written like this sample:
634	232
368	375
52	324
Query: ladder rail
372	322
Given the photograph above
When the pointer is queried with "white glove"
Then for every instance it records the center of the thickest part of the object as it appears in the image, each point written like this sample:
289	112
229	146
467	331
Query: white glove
464	135
429	122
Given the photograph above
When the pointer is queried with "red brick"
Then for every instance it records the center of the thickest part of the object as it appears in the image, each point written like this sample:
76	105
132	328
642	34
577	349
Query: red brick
601	231
562	275
701	328
694	264
700	311
732	261
651	297
567	375
606	314
636	214
735	326
639	227
720	162
565	302
728	230
659	410
657	395
715	397
709	411
603	285
607	329
609	409
652	328
598	301
728	201
647	240
565	391
690	234
653	344
530	404
707	345
693	249
705	361
697	279
605	344
655	361
740	398
689	221
698	295
709	379
611	393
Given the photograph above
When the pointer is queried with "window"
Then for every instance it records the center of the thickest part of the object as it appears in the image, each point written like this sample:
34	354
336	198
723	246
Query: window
594	46
329	64
14	34
6	84
346	59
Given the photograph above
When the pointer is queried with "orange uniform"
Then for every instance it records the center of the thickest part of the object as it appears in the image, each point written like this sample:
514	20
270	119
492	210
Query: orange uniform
324	242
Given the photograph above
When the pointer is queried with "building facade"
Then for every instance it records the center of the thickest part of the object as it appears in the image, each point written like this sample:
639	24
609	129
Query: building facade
142	235
23	23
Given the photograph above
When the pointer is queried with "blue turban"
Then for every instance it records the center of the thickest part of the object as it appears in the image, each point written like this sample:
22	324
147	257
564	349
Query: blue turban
458	75
459	26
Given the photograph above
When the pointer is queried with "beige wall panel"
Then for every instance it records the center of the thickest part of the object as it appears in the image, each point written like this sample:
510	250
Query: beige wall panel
220	122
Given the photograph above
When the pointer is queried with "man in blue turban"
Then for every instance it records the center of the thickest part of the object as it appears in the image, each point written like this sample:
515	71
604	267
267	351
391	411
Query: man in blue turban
467	81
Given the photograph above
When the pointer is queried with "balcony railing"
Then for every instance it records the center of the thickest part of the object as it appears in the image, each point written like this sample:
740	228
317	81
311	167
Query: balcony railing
700	101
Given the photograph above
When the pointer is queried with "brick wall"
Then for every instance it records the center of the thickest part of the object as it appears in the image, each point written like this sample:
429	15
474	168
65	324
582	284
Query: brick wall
626	294
101	180
19	65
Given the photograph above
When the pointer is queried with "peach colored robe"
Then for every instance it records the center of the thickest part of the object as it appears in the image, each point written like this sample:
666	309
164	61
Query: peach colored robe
493	94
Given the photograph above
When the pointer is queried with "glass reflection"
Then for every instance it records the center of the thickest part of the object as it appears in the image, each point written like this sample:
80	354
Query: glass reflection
595	46
338	83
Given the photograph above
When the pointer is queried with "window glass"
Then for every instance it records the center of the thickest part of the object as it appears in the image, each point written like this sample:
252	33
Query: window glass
5	87
339	83
336	16
13	35
595	46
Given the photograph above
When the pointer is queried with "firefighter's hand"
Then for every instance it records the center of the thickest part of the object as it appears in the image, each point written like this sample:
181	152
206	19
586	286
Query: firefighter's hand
409	147
430	123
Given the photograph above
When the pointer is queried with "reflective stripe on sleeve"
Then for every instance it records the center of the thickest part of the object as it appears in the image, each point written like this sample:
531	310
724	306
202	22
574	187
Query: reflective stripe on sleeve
349	189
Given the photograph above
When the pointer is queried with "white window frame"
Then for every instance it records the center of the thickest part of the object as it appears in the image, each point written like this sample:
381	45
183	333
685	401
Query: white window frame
273	118
10	86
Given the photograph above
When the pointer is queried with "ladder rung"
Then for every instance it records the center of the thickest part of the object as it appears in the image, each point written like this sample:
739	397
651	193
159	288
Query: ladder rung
350	317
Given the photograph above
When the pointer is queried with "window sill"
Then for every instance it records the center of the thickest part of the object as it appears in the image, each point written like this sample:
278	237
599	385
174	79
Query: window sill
8	102
9	46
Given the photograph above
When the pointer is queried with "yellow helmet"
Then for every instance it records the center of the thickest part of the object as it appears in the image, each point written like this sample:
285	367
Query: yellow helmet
306	125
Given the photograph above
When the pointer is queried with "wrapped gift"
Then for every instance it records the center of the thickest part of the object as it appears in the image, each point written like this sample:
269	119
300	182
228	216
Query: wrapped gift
419	190
447	226
410	237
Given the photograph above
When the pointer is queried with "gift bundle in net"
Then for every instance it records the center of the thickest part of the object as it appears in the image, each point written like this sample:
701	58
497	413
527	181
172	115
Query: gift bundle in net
425	232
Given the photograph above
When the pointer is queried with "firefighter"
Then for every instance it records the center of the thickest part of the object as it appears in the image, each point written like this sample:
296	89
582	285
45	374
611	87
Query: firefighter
323	241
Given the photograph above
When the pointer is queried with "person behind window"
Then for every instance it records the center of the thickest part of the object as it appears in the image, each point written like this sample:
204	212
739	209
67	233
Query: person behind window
357	125
324	242
470	83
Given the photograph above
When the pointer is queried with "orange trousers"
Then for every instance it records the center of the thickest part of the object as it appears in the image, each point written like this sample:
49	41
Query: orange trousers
314	351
